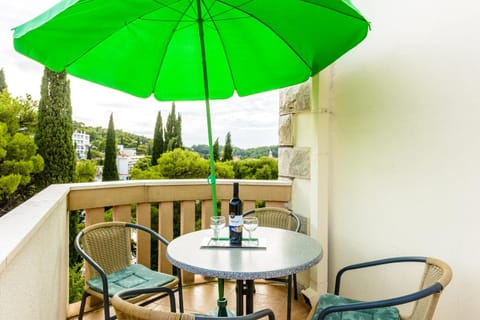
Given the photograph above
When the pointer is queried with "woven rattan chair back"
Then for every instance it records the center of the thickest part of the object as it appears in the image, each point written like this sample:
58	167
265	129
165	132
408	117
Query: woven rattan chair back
107	250
435	271
126	310
276	218
436	276
109	244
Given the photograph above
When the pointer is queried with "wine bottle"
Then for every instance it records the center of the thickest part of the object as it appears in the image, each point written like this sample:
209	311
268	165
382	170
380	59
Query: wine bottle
236	219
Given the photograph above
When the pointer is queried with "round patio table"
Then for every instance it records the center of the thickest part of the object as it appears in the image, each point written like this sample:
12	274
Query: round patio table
279	253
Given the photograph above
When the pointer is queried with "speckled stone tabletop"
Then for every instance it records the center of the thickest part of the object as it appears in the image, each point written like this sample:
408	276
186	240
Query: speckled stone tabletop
285	252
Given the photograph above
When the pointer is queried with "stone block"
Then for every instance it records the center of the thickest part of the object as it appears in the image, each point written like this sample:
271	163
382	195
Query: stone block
296	98
285	130
294	162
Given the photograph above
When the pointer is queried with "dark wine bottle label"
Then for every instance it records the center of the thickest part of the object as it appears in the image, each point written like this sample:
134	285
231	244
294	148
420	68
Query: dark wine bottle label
236	228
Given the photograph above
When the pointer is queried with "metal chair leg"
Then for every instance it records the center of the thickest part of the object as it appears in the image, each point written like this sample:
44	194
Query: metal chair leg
295	291
289	297
82	305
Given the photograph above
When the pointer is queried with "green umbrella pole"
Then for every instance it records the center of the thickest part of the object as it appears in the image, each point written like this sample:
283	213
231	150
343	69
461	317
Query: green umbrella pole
211	179
220	287
222	311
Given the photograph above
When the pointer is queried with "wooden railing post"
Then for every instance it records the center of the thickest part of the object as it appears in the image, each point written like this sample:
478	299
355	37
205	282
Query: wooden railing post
144	239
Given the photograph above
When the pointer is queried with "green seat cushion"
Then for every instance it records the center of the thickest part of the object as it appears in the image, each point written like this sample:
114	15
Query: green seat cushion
134	276
327	300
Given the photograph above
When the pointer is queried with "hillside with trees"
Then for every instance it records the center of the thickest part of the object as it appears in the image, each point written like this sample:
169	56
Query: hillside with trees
144	145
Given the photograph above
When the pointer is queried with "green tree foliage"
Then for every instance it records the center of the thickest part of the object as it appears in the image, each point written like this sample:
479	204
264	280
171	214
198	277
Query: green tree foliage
263	168
110	171
173	131
182	164
98	138
224	170
143	163
18	153
54	130
141	170
216	150
158	146
77	282
256	152
151	173
201	149
86	171
227	150
3	83
178	132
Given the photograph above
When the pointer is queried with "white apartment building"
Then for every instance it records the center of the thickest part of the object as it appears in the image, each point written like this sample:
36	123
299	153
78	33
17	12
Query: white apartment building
81	141
126	159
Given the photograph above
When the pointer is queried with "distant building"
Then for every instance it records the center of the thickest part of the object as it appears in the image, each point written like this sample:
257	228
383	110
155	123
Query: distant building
126	159
81	141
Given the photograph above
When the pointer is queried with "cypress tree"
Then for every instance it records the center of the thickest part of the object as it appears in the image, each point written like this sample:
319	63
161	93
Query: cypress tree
228	150
173	131
3	83
54	130
89	153
178	132
169	143
110	171
158	146
216	150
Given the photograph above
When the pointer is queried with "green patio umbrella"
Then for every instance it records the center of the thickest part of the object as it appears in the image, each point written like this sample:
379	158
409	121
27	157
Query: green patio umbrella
181	50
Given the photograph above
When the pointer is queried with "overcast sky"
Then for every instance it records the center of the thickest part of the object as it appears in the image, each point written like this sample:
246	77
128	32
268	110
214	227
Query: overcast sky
252	121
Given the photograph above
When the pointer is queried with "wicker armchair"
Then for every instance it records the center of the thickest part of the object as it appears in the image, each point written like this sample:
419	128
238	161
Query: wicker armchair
436	276
126	310
276	218
106	248
283	219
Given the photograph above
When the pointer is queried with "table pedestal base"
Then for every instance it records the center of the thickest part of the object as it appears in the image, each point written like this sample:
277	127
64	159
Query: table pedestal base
245	288
222	310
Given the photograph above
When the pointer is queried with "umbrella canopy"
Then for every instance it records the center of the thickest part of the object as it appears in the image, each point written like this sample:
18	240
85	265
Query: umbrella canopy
168	47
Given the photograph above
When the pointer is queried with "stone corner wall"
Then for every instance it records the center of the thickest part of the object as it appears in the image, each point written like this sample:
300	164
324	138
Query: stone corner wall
293	162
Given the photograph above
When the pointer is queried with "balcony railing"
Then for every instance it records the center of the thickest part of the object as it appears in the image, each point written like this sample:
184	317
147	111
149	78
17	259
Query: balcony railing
34	237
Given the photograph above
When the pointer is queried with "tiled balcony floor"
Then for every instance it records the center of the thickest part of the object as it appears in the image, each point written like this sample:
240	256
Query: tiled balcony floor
201	298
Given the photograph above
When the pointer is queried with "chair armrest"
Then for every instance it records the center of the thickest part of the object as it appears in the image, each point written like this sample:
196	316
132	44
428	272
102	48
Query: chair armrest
436	287
129	293
153	233
297	219
372	264
252	316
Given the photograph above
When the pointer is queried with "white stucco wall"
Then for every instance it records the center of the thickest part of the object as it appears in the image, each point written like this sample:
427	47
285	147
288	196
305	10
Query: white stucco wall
34	257
405	145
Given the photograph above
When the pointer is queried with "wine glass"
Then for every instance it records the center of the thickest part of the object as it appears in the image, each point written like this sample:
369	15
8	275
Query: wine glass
250	224
217	223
